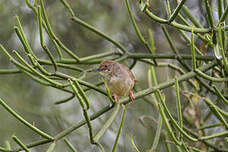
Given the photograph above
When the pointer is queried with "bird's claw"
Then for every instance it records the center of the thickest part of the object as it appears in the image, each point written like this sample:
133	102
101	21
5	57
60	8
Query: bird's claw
131	95
115	97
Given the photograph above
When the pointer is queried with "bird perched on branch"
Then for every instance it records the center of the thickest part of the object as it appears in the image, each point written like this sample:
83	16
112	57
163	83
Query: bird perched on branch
119	78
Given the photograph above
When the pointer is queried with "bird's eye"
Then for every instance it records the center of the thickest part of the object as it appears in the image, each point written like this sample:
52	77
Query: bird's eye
105	66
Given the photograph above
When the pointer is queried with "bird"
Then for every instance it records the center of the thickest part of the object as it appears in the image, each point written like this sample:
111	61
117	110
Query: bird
119	78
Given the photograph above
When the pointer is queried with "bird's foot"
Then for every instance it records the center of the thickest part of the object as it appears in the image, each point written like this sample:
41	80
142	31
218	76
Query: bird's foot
131	95
115	97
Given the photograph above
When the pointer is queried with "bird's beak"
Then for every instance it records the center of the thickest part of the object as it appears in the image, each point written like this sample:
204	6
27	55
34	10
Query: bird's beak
97	70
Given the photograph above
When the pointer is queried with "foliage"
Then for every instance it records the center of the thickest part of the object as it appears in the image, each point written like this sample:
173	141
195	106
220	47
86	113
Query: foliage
198	122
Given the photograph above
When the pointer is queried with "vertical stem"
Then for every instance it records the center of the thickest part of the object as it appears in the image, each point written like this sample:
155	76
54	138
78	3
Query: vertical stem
179	110
157	135
209	13
120	129
193	51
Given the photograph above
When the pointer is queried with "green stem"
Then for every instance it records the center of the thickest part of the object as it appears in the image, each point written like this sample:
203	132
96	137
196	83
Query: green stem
134	146
177	25
157	135
22	37
193	51
9	71
138	33
84	96
51	147
223	17
216	135
77	94
65	100
178	100
45	48
173	121
220	94
168	127
107	124
49	29
20	143
91	28
22	120
169	83
221	49
70	145
36	72
119	130
176	11
209	13
200	73
169	56
216	112
191	17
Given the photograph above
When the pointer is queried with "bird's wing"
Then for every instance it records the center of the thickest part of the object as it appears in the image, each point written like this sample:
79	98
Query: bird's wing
128	71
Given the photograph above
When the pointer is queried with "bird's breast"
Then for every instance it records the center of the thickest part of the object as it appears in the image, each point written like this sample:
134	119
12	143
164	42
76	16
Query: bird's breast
120	85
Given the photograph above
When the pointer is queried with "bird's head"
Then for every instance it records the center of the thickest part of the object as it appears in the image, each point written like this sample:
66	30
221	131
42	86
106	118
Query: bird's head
106	68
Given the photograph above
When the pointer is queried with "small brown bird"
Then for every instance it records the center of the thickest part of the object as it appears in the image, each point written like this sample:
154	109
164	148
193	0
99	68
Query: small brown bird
119	78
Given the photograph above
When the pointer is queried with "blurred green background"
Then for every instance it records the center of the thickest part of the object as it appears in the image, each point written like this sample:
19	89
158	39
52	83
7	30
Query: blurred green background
36	102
